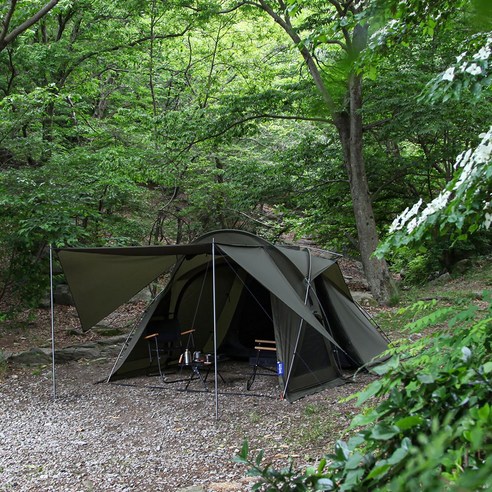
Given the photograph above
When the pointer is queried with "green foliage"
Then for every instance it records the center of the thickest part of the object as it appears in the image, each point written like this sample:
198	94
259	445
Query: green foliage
184	120
463	206
430	425
286	479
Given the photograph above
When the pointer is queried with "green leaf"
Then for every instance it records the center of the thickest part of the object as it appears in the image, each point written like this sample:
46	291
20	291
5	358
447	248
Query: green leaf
342	451
324	484
242	457
259	457
352	478
392	363
426	378
383	432
363	419
484	412
354	461
398	456
408	422
369	392
378	470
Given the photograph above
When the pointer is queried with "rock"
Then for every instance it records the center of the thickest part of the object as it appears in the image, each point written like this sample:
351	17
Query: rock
45	301
73	332
103	348
442	279
32	357
363	298
62	295
117	340
88	351
193	488
107	331
462	266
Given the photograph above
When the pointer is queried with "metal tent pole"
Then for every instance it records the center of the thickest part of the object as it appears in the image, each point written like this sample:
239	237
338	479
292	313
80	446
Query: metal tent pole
52	315
215	331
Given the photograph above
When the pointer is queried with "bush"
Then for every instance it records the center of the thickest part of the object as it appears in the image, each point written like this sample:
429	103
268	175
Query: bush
432	427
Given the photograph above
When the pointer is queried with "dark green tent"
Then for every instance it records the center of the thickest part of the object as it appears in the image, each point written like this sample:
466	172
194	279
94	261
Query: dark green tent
232	287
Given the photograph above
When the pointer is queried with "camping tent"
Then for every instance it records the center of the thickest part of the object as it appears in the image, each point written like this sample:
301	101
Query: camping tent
232	287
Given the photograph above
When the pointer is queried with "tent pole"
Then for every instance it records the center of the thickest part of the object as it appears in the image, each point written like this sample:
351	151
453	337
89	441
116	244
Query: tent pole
306	297
52	316
123	347
215	331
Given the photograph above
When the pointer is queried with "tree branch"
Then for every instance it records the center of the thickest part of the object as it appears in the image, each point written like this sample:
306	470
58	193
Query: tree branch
82	59
8	38
308	58
6	21
265	116
227	11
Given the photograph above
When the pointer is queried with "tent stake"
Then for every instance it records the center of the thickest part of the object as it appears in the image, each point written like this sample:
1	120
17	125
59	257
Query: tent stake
52	315
215	332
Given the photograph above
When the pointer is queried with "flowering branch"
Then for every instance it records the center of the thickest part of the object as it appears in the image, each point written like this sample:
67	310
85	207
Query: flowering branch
463	206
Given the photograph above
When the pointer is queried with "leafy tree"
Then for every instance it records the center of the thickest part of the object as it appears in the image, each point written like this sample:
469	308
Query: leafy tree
463	206
430	426
73	166
330	37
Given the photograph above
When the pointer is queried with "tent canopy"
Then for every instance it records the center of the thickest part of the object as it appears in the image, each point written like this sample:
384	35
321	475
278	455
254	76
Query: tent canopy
309	307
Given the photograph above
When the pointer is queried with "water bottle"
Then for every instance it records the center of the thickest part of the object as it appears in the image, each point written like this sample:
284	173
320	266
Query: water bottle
280	368
187	357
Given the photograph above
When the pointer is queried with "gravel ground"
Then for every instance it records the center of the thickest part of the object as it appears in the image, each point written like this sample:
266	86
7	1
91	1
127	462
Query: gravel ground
144	435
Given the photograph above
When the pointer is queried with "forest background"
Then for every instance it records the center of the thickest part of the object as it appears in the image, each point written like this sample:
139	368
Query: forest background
153	122
150	122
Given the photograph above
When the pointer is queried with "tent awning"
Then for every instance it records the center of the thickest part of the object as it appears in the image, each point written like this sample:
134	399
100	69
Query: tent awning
102	279
258	263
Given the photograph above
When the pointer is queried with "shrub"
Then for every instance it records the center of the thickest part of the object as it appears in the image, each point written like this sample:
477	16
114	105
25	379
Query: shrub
432	427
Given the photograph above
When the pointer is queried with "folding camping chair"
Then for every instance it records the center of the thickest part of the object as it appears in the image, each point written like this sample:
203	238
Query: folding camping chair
166	342
265	359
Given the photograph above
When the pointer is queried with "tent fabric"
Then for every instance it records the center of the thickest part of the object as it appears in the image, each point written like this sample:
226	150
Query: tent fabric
254	262
308	362
351	326
261	291
100	283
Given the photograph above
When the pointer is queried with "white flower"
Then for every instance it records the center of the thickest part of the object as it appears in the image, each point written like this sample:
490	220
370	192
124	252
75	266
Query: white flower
488	220
483	54
487	135
483	152
474	69
463	158
403	218
448	74
459	58
412	225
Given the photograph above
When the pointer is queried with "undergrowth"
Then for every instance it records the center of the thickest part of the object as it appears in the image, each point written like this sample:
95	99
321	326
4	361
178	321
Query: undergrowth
424	425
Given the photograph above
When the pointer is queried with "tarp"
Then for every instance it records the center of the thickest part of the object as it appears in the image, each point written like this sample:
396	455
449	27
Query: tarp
102	279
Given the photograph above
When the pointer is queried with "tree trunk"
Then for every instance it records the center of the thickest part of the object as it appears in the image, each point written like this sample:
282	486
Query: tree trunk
349	126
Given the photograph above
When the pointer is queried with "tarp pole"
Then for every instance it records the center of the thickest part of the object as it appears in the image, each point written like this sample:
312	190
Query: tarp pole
52	316
215	332
306	297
